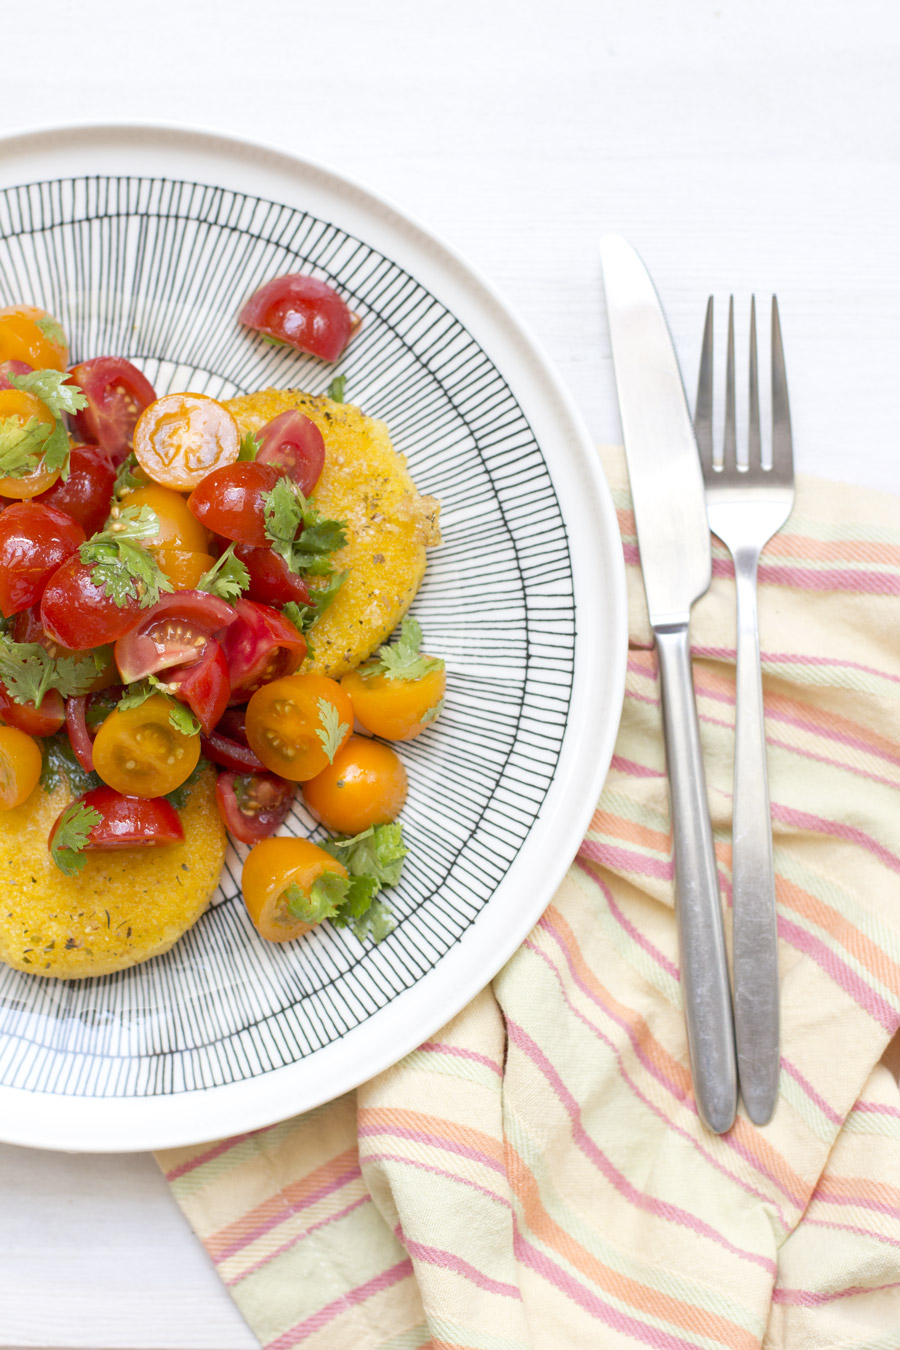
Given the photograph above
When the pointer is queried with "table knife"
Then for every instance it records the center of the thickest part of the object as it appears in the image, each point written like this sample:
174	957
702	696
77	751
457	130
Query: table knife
674	544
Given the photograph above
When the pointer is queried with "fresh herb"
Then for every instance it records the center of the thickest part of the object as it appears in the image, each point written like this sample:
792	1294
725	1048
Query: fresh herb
180	717
28	672
332	730
60	762
320	597
228	578
286	511
274	341
52	330
402	660
179	796
72	833
379	852
346	901
433	712
335	390
121	567
21	446
250	444
51	387
130	475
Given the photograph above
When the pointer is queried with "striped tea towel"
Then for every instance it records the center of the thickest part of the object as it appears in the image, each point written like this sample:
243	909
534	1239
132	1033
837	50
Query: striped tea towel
535	1175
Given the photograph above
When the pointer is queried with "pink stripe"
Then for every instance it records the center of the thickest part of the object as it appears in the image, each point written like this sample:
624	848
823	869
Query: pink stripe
435	1141
804	820
438	1172
290	1209
878	1107
850	1228
808	1298
829	732
436	1256
438	1047
845	766
659	957
811	1093
292	1241
824	1197
861	993
798	659
623	860
828	579
310	1325
633	769
216	1151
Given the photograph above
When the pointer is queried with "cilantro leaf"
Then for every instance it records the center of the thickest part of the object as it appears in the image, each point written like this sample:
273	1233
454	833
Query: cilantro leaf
228	578
121	567
378	851
376	921
179	796
56	450
180	716
59	761
250	444
72	833
401	660
286	511
52	330
321	901
183	720
130	475
51	387
433	712
28	672
332	730
303	616
335	390
21	445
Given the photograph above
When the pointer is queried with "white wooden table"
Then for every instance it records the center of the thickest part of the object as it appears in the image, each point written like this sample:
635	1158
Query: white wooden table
738	146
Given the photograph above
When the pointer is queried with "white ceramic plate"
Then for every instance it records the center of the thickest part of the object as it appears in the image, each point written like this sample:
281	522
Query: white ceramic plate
144	241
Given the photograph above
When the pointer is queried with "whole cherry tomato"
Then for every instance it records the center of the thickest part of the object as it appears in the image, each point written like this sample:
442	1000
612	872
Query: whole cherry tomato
260	645
204	685
229	501
179	528
140	753
34	540
253	805
42	720
271	580
184	570
20	767
32	335
296	725
87	492
126	822
227	744
15	403
365	785
173	632
117	394
271	868
398	709
77	613
181	437
304	312
295	446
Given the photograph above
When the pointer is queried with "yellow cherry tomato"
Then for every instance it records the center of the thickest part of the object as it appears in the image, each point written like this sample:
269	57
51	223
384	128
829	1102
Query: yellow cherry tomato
366	785
179	528
398	710
32	335
20	767
184	570
297	724
181	437
140	753
23	407
271	868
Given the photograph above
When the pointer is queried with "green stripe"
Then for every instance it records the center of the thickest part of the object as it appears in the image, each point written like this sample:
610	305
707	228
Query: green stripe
883	934
407	1340
454	1332
813	1116
453	1066
873	1122
246	1151
630	951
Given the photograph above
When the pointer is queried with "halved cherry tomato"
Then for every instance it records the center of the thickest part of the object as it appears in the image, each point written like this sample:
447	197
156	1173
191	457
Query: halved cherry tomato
171	633
126	822
253	805
8	368
203	685
398	710
297	724
139	752
227	744
179	528
34	540
261	645
230	502
42	720
271	580
184	570
181	437
32	335
20	767
87	492
270	868
304	312
365	785
295	446
117	393
77	613
16	403
84	715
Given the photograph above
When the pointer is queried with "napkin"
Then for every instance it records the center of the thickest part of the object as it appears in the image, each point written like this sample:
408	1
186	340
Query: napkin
535	1174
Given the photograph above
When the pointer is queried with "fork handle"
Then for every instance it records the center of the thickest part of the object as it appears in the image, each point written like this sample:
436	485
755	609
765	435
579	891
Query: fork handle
704	969
753	880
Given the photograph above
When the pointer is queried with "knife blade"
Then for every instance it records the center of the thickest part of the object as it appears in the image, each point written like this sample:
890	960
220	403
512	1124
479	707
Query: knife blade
674	545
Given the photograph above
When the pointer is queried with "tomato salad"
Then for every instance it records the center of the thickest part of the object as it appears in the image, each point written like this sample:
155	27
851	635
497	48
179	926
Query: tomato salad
159	575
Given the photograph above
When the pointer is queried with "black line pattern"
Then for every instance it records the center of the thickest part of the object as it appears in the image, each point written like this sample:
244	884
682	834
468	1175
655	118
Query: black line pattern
156	270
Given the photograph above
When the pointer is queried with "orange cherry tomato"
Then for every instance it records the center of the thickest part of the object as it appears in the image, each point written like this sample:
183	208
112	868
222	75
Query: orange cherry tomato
32	335
297	724
181	437
184	570
139	753
271	867
366	785
20	767
16	403
179	528
398	710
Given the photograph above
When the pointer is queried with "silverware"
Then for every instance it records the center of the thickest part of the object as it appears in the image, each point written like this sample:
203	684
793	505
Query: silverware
747	504
674	543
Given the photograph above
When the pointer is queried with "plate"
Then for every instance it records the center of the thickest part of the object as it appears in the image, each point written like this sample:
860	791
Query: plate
144	241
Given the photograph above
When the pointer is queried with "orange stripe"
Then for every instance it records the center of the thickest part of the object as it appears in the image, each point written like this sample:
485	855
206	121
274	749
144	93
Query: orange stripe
396	1117
834	550
863	949
852	1188
604	822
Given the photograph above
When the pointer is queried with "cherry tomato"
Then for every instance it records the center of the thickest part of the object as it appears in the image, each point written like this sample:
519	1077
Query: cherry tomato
181	437
26	627
32	335
139	753
34	540
173	632
366	785
260	645
8	368
294	445
398	710
16	403
77	613
87	492
230	502
269	869
204	685
117	393
179	528
284	720
80	738
184	570
126	822
253	805
271	580
20	767
304	312
42	720
227	744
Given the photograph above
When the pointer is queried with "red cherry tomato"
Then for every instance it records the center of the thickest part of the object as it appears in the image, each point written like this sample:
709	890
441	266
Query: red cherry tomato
8	368
80	738
117	394
228	744
229	501
77	613
304	312
253	805
126	822
260	646
271	580
87	492
204	685
172	633
43	720
295	446
34	540
26	627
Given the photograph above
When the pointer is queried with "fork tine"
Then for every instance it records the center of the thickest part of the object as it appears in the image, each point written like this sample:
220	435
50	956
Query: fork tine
754	440
729	448
782	441
703	408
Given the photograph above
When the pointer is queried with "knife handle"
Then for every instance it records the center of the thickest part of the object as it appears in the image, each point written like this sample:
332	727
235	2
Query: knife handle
704	968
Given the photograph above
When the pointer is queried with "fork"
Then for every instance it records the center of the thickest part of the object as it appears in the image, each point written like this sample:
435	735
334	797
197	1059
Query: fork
747	504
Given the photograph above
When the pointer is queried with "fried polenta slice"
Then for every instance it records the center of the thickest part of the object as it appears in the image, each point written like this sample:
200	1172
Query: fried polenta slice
389	525
125	906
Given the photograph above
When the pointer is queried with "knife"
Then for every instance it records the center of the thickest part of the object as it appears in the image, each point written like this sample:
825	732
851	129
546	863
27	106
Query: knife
674	544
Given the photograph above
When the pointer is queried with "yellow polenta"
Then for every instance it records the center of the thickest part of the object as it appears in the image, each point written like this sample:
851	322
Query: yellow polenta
389	525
